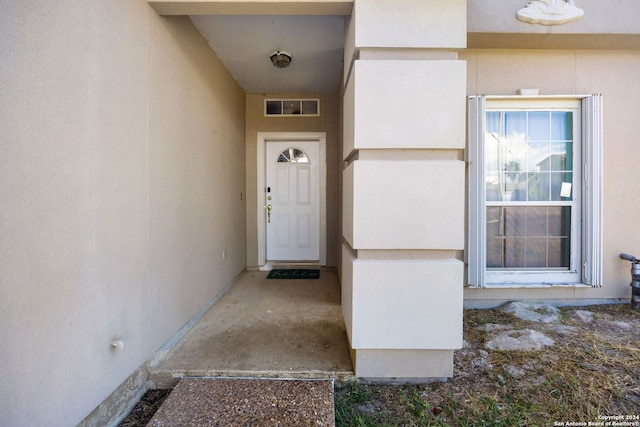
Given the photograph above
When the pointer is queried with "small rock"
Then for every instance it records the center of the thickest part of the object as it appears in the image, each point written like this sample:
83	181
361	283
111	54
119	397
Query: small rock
564	329
525	339
368	408
622	325
489	327
481	365
584	316
532	312
514	371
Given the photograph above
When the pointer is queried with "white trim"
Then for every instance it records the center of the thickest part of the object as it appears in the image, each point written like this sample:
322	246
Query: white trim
476	255
590	198
532	97
500	277
263	137
534	285
592	155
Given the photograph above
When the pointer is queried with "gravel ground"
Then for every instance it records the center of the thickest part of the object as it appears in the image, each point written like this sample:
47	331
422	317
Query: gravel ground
521	365
247	402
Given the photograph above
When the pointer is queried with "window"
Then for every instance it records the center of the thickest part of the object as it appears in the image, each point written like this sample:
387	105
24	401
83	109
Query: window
291	107
535	191
293	155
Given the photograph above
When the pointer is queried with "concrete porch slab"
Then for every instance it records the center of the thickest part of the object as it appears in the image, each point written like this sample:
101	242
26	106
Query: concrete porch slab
247	402
265	328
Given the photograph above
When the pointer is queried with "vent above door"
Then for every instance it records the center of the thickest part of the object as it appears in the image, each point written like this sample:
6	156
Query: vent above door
291	107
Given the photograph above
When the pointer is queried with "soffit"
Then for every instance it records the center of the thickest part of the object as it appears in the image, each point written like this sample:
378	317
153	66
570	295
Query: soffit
252	7
244	42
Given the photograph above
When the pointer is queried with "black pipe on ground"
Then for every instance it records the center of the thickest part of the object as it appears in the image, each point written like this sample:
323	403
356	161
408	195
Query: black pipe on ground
635	279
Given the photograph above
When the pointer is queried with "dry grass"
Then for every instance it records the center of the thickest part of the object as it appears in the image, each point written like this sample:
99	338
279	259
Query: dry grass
142	413
592	370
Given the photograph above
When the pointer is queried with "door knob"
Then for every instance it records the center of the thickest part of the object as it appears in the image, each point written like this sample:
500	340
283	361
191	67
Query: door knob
269	207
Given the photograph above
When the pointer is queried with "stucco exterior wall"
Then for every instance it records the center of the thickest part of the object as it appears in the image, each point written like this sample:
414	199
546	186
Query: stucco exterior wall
122	164
383	24
403	142
615	75
327	122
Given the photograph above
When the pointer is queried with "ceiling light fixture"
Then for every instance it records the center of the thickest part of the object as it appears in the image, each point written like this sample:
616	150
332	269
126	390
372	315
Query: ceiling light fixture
280	58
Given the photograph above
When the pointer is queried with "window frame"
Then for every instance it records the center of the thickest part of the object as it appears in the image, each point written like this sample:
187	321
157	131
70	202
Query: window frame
588	239
291	157
300	113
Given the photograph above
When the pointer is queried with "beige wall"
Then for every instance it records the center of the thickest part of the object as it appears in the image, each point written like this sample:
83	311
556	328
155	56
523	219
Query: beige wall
385	24
615	75
327	122
121	134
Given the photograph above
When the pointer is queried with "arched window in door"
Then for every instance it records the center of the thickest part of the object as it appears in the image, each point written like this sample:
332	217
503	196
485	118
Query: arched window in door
293	155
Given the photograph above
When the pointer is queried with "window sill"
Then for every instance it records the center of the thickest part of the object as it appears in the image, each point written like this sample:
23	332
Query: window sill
534	285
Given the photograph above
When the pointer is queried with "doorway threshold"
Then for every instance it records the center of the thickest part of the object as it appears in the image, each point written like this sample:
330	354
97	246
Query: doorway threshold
270	265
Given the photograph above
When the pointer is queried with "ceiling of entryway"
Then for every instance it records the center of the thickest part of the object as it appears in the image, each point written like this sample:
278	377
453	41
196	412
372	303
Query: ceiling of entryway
243	43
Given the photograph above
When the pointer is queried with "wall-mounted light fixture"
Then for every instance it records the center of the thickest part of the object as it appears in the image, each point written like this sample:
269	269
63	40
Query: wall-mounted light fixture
280	58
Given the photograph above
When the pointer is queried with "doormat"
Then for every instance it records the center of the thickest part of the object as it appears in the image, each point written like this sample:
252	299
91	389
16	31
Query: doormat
296	273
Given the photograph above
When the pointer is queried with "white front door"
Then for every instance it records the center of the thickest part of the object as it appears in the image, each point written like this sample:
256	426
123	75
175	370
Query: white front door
292	200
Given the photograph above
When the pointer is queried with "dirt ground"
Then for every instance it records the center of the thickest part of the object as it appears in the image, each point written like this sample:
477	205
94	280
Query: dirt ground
573	366
582	366
145	408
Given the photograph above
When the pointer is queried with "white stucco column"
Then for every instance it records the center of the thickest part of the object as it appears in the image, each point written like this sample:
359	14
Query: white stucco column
403	206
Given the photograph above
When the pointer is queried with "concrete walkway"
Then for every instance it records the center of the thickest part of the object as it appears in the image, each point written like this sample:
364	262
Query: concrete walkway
265	328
